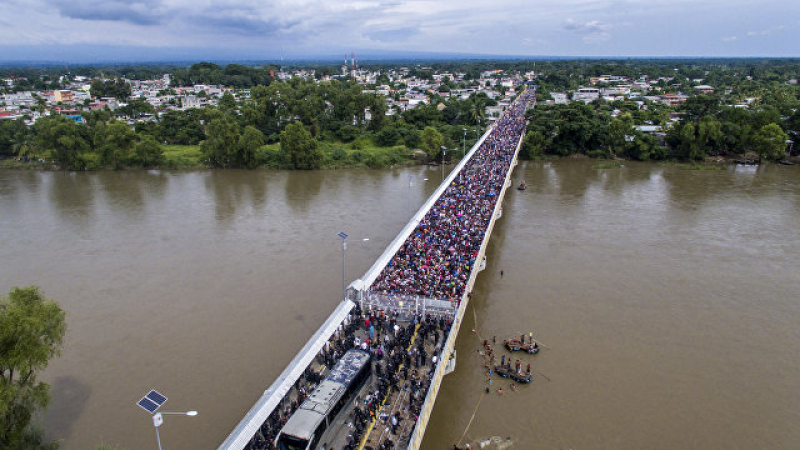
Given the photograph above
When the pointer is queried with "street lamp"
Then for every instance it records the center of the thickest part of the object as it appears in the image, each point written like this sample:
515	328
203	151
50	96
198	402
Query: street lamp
343	235
464	149
158	421
444	151
410	177
151	402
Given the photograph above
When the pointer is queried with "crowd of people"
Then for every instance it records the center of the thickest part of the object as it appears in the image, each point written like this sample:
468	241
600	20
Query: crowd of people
398	366
434	262
436	259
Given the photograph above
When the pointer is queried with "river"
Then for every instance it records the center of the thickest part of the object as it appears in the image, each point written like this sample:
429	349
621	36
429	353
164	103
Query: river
669	298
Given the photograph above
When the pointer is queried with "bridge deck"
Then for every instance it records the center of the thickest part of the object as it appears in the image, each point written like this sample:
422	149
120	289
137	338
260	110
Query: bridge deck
406	304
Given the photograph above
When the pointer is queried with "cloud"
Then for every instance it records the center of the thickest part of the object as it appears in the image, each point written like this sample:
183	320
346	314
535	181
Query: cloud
533	42
243	21
392	35
139	12
592	31
766	32
514	27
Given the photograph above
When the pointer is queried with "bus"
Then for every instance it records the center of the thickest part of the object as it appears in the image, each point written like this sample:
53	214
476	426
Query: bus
305	428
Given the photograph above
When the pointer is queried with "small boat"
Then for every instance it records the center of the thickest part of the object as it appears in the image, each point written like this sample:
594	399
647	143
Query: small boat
522	186
515	345
508	372
786	162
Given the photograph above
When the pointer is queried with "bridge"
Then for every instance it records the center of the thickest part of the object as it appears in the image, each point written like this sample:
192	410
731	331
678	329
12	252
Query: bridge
421	283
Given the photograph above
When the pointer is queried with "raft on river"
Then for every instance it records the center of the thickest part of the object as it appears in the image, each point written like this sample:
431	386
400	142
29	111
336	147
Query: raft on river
508	372
515	345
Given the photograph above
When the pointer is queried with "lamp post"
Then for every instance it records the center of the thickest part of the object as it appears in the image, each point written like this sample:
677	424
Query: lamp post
444	151
343	235
464	148
158	420
410	177
151	402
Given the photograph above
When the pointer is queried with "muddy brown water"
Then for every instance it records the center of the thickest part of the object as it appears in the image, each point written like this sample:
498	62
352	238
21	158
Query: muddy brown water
669	298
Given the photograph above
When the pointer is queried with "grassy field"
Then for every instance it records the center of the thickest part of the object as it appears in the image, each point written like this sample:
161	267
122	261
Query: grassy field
607	165
361	153
182	156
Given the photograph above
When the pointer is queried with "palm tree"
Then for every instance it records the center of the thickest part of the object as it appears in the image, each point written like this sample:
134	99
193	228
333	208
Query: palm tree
477	110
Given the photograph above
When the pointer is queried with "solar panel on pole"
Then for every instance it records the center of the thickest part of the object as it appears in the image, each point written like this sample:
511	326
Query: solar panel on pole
152	401
148	405
156	397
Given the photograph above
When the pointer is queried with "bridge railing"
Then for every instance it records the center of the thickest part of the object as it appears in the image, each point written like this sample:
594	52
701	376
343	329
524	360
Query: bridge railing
400	239
449	346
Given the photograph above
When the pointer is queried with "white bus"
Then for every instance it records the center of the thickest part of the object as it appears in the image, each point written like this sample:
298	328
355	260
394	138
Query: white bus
305	428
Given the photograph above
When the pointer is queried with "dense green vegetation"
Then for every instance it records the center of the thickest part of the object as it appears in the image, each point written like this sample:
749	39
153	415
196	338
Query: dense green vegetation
328	127
707	126
32	330
345	125
118	88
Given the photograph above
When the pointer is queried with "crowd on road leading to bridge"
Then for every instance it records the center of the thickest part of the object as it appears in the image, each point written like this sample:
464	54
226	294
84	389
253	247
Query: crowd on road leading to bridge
436	259
398	366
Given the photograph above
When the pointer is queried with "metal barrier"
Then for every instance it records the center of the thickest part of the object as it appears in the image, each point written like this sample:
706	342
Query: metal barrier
449	347
407	306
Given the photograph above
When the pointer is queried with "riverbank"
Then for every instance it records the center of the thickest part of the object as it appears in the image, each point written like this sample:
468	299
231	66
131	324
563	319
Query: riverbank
709	163
358	154
361	154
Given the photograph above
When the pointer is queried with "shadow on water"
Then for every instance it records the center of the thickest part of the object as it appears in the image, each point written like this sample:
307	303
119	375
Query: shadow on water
567	178
692	189
128	191
73	195
616	180
16	186
236	189
302	187
13	181
70	396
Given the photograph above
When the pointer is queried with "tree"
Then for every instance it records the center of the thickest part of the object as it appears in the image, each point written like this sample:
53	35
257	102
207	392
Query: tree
769	142
148	152
620	132
250	141
432	141
478	109
32	330
222	135
15	138
119	88
388	136
66	139
693	141
533	145
119	139
377	110
301	148
227	103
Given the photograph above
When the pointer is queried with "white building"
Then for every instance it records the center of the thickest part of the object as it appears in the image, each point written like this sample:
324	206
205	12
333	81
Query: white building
586	95
559	98
190	101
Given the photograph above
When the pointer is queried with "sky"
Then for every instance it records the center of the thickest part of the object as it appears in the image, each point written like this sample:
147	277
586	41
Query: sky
129	30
